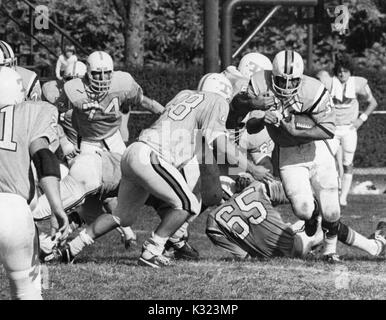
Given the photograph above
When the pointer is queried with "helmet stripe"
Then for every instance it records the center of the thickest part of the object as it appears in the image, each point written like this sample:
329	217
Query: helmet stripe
285	62
291	64
202	81
5	49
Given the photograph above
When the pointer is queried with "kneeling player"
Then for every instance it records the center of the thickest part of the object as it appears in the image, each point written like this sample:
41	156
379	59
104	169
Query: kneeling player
247	225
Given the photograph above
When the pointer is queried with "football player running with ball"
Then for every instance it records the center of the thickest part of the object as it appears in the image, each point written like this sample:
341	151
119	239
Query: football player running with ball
306	164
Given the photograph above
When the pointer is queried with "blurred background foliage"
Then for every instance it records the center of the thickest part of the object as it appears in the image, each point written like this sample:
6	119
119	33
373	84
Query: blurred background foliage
174	31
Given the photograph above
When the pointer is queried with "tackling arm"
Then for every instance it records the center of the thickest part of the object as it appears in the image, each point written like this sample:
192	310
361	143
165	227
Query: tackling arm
235	156
48	172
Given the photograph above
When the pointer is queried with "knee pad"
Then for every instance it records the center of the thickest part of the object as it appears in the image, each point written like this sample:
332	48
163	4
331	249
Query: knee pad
26	284
348	168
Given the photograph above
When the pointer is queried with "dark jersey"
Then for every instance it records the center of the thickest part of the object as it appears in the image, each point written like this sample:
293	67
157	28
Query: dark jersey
250	220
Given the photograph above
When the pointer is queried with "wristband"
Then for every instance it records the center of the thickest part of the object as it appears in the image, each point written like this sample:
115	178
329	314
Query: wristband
363	117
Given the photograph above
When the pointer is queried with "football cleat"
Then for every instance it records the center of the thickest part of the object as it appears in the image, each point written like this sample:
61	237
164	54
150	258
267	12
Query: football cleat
332	258
186	252
148	259
380	236
63	254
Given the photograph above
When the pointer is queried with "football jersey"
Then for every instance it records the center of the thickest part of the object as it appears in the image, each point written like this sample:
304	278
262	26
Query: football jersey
31	84
187	118
345	98
96	125
238	81
312	98
53	92
250	220
20	125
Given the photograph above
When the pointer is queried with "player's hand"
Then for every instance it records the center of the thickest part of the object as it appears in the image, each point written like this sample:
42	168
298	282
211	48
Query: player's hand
60	227
357	123
289	125
271	117
241	183
261	174
71	154
263	102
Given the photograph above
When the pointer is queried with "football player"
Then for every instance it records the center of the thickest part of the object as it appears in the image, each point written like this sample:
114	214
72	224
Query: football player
345	90
27	129
258	147
247	225
306	164
150	166
99	100
31	83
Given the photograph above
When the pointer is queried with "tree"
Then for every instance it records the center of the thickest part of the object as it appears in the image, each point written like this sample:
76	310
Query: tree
132	13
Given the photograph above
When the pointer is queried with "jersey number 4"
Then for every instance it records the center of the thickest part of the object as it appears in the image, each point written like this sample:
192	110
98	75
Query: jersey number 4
253	211
6	129
184	106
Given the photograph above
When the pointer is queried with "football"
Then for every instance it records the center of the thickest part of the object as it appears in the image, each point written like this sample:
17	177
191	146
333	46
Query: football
304	121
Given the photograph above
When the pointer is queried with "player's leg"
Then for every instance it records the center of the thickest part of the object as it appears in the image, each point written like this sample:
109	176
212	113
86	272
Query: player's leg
19	248
349	145
373	246
164	182
220	239
324	182
297	186
177	245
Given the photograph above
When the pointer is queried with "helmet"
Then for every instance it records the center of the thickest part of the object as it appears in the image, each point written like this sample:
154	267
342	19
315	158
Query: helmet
11	87
252	63
217	83
100	69
287	72
75	70
7	56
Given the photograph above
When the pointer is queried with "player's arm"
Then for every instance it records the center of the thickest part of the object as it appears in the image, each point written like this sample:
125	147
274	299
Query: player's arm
152	105
48	172
235	156
372	105
322	113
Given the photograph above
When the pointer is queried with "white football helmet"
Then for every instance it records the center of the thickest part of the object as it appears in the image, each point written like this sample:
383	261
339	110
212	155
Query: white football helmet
287	73
11	87
76	70
217	83
7	56
254	62
100	68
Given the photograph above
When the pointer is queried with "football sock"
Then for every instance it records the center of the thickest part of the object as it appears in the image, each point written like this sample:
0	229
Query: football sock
352	238
26	284
155	244
330	230
82	240
180	236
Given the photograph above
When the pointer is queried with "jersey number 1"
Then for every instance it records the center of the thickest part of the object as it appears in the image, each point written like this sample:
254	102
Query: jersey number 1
6	129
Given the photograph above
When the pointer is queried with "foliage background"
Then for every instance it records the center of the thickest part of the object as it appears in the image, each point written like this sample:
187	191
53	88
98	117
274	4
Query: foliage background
173	44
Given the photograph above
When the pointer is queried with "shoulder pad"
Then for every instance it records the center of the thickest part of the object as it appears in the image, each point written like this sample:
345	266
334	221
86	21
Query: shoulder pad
74	89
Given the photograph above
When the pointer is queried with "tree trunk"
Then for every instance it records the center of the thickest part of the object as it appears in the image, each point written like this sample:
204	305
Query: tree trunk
133	16
134	49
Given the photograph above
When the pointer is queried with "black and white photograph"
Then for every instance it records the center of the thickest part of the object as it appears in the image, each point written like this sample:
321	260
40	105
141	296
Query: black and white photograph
198	151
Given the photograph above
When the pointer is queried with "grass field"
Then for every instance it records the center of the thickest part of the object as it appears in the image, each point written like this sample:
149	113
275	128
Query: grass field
108	271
